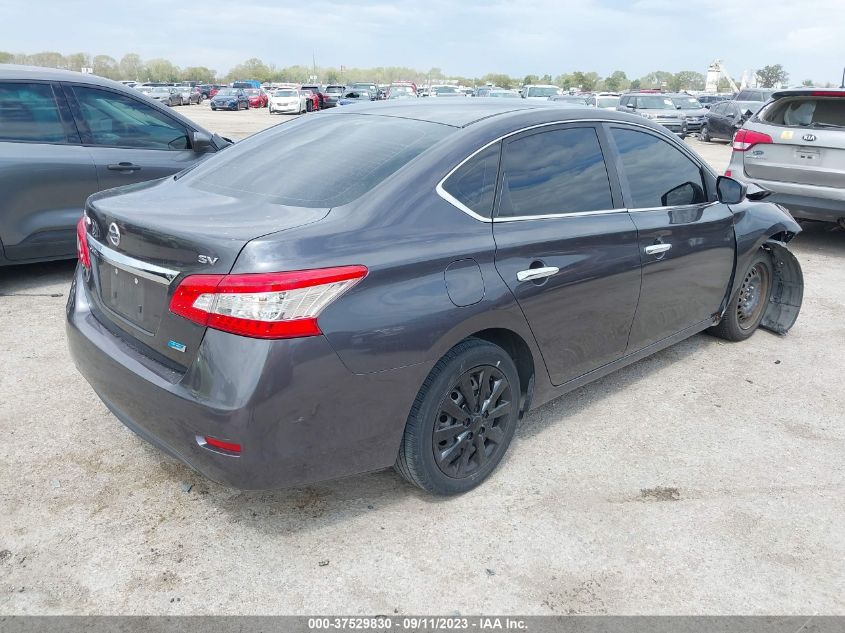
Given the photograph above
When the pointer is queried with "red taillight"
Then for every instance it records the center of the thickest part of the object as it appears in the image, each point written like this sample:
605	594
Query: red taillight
263	305
82	251
827	93
746	139
226	446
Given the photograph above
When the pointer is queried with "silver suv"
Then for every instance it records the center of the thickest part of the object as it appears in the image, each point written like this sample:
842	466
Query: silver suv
657	107
795	147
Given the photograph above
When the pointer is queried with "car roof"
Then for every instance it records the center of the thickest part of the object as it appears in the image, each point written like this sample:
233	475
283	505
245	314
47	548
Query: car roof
14	71
809	92
465	113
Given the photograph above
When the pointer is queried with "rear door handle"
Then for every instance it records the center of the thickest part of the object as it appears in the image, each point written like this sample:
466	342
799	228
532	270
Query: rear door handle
123	167
656	249
537	273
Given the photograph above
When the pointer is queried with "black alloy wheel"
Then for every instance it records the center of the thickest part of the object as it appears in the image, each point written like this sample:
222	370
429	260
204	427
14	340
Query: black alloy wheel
462	420
751	299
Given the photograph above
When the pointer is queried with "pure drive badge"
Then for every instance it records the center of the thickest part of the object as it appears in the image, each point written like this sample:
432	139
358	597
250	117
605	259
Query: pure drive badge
179	347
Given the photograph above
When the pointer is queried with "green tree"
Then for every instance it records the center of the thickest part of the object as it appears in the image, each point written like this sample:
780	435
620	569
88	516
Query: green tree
105	66
617	81
48	59
687	80
198	73
656	79
6	58
771	76
530	79
565	81
498	79
253	68
636	84
160	70
586	81
77	61
808	83
724	85
131	66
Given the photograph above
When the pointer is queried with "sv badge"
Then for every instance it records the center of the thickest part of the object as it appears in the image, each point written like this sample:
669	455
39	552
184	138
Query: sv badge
207	259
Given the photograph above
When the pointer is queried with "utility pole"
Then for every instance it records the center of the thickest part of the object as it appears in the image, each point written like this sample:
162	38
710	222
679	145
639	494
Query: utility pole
843	79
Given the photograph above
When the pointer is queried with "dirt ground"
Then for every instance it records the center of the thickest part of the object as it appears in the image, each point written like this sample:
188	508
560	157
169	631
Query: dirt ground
709	478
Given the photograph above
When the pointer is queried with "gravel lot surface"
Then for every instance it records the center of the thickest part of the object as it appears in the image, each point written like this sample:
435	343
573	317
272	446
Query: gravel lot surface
709	478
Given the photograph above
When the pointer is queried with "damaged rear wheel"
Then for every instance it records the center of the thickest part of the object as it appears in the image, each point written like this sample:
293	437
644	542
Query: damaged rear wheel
746	309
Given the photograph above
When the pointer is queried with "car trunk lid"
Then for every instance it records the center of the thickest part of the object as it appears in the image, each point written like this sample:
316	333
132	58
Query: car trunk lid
146	240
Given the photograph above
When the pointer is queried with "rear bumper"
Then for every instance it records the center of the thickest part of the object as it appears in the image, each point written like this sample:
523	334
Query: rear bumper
298	413
807	202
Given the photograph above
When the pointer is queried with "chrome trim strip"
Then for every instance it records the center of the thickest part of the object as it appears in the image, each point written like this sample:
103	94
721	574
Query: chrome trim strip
441	191
159	274
679	207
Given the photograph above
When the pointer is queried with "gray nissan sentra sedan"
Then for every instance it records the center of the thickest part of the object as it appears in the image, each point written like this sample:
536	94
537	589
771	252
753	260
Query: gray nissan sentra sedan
404	299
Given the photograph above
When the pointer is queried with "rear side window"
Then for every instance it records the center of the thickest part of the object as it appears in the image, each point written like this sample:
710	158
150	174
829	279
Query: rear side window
116	120
806	112
28	112
474	183
281	166
554	172
658	174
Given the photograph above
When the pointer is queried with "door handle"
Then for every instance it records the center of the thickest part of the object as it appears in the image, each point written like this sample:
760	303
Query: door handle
123	167
656	249
537	273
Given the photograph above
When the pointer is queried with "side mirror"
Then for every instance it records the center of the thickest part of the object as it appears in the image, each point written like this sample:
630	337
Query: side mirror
747	114
707	105
200	142
629	105
730	191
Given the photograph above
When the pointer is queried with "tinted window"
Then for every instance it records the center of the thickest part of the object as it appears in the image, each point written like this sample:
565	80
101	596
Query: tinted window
658	174
280	165
559	171
28	112
116	120
719	108
474	183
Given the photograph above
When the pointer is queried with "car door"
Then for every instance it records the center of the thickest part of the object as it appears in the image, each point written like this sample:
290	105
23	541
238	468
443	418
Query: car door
45	173
566	247
131	141
686	239
730	118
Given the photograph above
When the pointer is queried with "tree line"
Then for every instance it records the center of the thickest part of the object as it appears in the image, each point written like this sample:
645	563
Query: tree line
132	67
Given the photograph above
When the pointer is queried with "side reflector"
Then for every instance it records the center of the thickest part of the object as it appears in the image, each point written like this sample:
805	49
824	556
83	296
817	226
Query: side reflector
226	446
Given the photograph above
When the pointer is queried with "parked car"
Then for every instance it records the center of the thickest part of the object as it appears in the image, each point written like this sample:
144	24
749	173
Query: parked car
503	94
319	91
445	91
256	97
370	87
246	83
692	109
287	101
604	100
656	107
484	91
213	90
760	95
401	91
354	96
332	94
65	135
795	148
189	95
709	100
168	95
230	99
723	119
310	315
312	99
540	91
578	100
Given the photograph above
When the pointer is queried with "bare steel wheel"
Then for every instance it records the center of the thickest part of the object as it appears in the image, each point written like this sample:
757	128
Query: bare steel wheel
750	301
462	420
755	287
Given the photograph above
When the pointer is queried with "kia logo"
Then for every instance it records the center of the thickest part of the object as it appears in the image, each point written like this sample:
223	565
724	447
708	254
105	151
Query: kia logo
114	234
809	137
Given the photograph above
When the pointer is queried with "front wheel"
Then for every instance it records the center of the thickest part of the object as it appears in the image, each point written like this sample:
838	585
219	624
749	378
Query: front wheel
704	135
746	309
462	420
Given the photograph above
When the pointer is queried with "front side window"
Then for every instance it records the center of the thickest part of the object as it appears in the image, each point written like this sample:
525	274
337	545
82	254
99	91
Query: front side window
118	121
474	183
554	172
28	112
658	174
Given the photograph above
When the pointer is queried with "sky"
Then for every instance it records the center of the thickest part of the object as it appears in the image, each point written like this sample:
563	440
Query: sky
462	37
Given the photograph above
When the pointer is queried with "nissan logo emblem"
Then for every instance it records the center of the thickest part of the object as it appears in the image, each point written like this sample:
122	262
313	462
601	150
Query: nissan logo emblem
114	234
809	137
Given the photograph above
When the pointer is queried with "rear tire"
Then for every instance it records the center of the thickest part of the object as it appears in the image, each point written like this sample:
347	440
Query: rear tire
745	311
462	421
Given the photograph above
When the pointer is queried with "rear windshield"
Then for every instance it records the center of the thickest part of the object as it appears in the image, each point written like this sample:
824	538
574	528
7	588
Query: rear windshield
281	166
806	112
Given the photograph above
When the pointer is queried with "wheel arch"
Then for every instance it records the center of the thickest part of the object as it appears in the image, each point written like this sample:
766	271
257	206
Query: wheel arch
520	352
787	288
